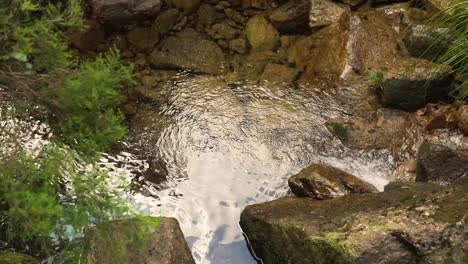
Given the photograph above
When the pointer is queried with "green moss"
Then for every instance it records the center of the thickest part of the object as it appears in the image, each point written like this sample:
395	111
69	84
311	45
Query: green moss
374	79
8	257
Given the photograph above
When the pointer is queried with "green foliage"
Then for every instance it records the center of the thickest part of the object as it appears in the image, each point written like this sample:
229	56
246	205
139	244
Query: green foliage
455	19
90	119
374	79
47	200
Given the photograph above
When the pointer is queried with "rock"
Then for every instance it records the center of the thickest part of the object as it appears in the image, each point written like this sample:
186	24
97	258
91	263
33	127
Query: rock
239	45
291	17
9	257
404	172
436	116
235	16
165	21
421	40
207	15
253	66
413	82
405	224
389	130
353	2
261	35
86	39
222	31
152	88
142	38
441	164
185	6
188	50
325	182
325	12
139	240
279	74
462	118
120	12
259	4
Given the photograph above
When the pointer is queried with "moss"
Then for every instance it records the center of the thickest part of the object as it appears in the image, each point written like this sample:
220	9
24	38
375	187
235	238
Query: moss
8	257
341	131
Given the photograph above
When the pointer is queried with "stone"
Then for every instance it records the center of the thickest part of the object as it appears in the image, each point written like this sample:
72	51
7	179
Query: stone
120	13
239	45
436	116
222	31
142	38
165	21
253	66
235	16
404	172
462	117
207	15
185	6
325	182
279	74
425	41
292	17
9	257
259	4
353	2
261	34
412	83
139	240
189	50
88	38
441	164
404	224
324	12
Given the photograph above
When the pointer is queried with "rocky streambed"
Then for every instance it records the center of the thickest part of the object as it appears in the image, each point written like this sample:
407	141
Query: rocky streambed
234	97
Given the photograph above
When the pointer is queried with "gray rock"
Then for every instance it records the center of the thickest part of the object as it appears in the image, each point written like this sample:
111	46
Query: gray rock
425	41
325	182
406	224
120	13
261	34
292	17
188	50
145	240
441	164
411	83
325	12
166	20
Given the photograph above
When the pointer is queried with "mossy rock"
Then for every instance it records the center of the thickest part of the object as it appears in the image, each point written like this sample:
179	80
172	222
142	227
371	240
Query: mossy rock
8	257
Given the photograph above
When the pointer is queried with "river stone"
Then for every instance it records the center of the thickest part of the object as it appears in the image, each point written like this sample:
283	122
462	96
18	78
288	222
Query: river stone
353	2
142	38
239	45
420	41
408	223
122	12
325	12
9	257
292	17
88	38
185	6
462	117
189	50
253	66
145	240
441	164
412	83
222	30
235	16
166	20
261	35
279	74
207	14
325	182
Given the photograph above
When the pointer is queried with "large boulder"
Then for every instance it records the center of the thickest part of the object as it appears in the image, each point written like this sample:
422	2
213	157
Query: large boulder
261	34
9	257
412	83
292	17
144	240
441	164
325	12
326	182
426	41
189	50
122	12
406	224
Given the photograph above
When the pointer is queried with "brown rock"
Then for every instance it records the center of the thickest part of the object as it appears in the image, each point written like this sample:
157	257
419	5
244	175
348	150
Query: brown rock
261	34
122	12
325	12
86	39
142	38
437	116
292	17
462	117
279	74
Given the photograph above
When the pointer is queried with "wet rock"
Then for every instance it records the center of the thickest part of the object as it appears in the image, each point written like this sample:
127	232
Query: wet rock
86	39
120	13
185	6
142	38
325	182
152	89
261	35
239	45
252	67
139	240
441	164
9	257
404	224
222	30
462	119
412	83
207	15
437	116
404	172
279	74
325	12
292	17
188	50
165	21
421	40
387	131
